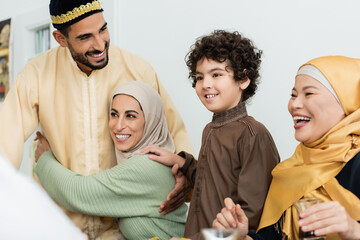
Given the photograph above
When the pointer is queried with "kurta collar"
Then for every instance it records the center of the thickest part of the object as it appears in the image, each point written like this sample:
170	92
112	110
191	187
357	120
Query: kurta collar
230	115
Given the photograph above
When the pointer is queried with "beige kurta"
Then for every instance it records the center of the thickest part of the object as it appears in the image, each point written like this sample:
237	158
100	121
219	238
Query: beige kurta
72	109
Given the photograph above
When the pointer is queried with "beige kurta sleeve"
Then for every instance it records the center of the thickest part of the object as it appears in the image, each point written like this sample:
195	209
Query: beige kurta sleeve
18	115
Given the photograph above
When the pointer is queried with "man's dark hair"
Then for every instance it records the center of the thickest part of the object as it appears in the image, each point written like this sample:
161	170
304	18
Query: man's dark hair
65	31
221	46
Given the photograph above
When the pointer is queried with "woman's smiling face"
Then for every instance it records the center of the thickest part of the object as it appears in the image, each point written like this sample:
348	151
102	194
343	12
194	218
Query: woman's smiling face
126	123
313	108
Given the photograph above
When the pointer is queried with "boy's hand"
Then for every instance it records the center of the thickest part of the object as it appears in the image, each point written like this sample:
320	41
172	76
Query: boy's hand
163	156
178	195
232	216
42	146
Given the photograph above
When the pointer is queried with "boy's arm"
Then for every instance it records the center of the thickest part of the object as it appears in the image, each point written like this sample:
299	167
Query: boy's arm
258	156
19	115
189	167
163	156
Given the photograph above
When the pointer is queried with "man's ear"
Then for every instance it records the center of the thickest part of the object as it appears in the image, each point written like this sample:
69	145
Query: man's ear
244	83
60	38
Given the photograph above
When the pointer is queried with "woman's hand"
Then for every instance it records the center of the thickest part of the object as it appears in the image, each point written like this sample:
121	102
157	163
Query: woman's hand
42	146
163	156
329	217
232	216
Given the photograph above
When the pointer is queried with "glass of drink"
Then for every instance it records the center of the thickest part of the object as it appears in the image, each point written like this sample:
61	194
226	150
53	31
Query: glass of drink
301	205
215	234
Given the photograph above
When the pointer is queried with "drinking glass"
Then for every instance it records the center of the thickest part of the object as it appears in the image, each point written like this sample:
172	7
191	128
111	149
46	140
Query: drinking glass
215	234
301	205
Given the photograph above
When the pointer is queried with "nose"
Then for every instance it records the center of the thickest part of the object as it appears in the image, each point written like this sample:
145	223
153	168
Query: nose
207	82
99	43
120	124
295	103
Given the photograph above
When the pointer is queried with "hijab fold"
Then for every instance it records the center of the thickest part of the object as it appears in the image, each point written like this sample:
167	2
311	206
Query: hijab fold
311	170
156	131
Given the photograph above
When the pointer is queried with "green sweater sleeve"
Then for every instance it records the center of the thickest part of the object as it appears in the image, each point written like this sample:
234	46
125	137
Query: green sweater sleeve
133	188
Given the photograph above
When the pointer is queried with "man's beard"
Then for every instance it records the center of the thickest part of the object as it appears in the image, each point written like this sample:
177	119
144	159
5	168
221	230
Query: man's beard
78	57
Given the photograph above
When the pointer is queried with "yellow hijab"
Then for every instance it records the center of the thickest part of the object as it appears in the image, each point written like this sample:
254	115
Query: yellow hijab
311	171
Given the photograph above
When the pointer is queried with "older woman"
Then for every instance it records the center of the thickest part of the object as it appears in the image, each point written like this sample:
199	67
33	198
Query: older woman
325	107
133	190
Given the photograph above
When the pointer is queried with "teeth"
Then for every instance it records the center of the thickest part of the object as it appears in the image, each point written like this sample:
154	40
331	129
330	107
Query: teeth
210	96
121	136
98	55
298	118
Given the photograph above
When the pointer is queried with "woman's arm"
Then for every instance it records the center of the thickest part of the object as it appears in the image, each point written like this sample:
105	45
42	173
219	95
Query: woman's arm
183	186
133	188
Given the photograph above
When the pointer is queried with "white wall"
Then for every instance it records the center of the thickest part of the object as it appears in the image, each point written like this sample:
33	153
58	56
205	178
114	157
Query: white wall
289	32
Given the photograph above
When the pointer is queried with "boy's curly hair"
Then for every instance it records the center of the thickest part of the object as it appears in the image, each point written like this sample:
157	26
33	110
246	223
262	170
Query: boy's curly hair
220	46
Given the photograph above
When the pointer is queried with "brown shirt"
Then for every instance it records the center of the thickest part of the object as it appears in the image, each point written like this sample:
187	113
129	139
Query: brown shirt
235	160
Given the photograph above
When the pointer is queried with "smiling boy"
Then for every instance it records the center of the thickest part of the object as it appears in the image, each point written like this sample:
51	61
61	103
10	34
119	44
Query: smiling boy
237	153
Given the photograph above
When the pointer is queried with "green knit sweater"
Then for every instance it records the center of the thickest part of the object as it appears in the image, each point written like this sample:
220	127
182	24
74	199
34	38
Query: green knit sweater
131	191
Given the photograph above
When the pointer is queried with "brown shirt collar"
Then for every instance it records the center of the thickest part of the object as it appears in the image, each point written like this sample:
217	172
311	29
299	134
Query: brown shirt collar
230	115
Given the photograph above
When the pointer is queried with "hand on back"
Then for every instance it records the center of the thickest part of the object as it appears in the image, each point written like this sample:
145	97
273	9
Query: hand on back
42	146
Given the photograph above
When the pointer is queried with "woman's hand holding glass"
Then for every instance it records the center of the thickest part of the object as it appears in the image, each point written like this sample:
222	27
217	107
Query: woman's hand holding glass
329	217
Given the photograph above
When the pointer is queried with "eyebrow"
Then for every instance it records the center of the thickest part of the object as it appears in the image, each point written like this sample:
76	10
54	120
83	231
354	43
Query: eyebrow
127	111
306	87
83	35
213	70
131	111
113	109
89	34
105	24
